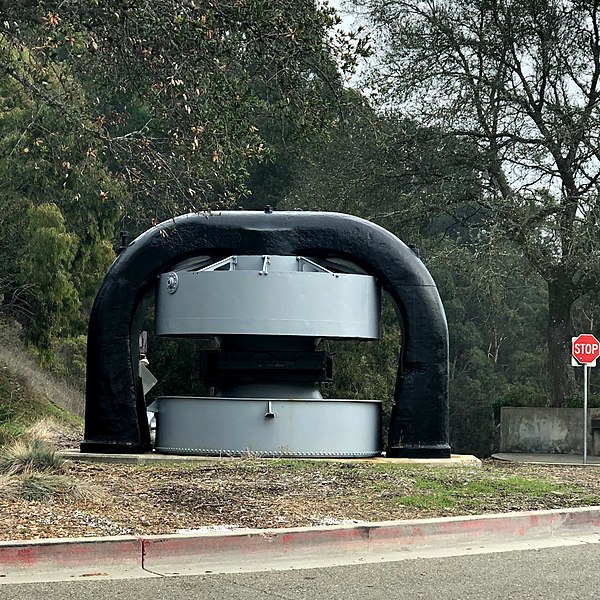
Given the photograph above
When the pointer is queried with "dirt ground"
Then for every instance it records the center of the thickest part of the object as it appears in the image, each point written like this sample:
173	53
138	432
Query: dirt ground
263	493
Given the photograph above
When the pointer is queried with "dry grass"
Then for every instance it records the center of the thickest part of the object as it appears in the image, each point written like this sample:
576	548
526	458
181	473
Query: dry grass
50	431
27	456
28	394
45	487
249	492
37	413
16	359
33	470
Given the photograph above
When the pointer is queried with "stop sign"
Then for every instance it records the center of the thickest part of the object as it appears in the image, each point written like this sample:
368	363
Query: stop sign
586	348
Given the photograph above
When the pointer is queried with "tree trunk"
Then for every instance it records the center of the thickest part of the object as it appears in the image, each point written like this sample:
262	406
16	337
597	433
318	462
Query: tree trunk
560	331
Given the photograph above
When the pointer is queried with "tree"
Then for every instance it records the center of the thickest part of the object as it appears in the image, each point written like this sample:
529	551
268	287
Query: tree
47	268
175	92
520	80
43	162
425	190
132	111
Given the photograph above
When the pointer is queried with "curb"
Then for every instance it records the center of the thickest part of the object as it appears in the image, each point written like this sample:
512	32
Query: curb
49	555
170	554
162	552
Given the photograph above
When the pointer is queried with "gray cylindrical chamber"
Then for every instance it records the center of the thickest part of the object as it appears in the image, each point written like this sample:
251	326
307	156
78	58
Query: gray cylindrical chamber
268	295
268	312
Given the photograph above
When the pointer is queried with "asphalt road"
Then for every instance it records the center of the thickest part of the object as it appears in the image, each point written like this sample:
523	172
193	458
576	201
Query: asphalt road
565	573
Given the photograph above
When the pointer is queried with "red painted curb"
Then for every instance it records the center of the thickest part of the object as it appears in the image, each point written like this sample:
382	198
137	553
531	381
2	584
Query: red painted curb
65	554
153	552
369	537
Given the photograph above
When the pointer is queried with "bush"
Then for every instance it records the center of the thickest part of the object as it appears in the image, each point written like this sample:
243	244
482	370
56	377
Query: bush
69	362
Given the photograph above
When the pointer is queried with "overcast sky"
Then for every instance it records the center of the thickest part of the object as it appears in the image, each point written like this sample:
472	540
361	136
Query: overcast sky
347	18
349	22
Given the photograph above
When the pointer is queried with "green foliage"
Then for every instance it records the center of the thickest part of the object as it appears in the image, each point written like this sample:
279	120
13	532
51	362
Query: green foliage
396	174
495	311
13	217
208	107
473	492
493	75
47	270
177	366
112	127
177	107
367	370
69	360
521	394
59	204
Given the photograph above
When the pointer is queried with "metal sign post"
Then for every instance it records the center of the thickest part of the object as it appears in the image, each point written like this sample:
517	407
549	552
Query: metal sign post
585	411
585	350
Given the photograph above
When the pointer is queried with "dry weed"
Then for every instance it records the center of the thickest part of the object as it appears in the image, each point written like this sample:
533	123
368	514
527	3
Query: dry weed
29	457
47	430
42	487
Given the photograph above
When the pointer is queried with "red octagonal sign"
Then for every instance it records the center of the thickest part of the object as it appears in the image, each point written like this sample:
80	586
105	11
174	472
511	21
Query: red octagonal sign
586	348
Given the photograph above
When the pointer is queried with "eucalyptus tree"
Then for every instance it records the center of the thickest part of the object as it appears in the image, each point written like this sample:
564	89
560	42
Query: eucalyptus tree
520	81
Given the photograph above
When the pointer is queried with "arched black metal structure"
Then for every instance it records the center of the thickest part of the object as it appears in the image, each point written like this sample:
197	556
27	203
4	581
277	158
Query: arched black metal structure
115	417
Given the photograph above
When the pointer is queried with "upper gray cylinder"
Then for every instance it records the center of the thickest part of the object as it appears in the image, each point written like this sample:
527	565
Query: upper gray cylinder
267	295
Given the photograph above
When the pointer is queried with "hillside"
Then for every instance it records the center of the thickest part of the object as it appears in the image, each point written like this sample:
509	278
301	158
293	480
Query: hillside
28	394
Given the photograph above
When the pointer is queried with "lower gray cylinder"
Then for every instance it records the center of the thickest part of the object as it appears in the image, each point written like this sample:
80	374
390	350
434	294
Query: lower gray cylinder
268	427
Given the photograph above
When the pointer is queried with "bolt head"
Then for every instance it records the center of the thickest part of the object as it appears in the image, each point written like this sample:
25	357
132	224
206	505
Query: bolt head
172	282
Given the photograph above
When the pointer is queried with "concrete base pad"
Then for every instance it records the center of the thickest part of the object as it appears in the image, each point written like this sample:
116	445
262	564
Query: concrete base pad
455	460
150	458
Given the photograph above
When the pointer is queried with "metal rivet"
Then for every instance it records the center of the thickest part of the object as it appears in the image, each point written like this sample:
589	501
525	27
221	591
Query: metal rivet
172	282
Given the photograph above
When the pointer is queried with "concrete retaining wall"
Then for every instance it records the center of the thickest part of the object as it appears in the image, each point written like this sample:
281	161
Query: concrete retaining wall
548	430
